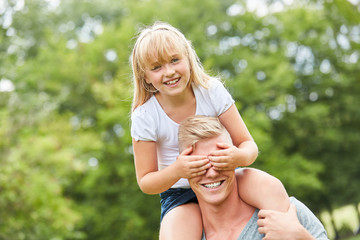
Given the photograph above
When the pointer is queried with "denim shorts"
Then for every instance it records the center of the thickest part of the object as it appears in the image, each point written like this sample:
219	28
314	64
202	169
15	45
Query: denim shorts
175	197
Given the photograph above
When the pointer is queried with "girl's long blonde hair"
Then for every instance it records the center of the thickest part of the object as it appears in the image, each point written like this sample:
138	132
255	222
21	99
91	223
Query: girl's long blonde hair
159	42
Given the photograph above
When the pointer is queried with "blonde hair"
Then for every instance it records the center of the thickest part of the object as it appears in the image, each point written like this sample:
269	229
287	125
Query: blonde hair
196	128
159	42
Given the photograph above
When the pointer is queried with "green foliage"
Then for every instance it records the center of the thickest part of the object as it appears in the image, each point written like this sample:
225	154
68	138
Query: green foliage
65	147
32	179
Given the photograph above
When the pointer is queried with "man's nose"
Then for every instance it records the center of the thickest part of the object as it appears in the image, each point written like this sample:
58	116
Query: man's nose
211	173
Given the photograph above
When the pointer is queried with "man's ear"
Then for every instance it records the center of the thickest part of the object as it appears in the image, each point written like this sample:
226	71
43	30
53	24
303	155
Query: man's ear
193	147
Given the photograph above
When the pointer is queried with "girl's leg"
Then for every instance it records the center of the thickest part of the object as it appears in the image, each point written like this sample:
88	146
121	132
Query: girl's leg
261	190
182	222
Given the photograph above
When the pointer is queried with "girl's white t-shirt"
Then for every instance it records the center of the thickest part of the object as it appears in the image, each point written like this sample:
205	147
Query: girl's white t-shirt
150	122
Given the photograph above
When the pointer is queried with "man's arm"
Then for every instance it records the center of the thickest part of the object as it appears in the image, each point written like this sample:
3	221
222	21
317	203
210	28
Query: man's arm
297	223
282	225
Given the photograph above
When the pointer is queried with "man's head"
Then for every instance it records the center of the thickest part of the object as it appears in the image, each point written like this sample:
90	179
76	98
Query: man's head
203	134
196	128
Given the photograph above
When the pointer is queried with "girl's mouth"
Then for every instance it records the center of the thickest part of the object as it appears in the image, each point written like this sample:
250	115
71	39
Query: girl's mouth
171	82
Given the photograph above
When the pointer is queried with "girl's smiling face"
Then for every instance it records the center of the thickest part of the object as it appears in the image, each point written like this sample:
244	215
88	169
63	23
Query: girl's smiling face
170	75
162	61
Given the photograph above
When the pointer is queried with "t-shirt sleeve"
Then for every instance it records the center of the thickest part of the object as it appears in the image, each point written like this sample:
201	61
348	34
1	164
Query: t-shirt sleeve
142	126
220	97
309	220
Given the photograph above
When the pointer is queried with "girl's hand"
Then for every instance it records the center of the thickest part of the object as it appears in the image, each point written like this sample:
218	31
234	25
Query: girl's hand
190	166
228	157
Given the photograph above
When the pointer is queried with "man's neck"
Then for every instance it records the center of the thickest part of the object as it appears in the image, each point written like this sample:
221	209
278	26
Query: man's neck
226	220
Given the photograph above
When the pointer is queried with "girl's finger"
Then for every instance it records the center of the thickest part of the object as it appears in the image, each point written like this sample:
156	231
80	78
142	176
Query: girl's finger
223	145
207	166
217	159
222	152
199	163
199	173
187	151
195	158
219	165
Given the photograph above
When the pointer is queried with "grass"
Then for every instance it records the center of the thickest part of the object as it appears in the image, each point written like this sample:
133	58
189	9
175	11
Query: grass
354	238
345	219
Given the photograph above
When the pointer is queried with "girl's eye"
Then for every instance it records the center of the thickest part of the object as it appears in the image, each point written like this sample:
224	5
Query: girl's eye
155	68
174	60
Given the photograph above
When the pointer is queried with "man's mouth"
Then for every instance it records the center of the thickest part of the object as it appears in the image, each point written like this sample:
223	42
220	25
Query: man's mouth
213	185
171	82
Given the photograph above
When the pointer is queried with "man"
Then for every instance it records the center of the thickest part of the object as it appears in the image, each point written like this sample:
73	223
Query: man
225	215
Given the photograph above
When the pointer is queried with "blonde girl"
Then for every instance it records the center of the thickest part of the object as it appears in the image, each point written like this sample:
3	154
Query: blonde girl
170	85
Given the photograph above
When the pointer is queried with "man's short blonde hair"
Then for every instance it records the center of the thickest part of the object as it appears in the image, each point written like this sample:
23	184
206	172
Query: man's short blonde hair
196	128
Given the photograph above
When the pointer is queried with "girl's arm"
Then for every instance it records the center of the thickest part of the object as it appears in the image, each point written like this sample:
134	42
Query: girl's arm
256	187
153	181
245	150
149	179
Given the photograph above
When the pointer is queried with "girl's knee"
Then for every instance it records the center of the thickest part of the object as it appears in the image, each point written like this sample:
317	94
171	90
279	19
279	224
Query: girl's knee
252	176
262	190
258	179
182	222
271	185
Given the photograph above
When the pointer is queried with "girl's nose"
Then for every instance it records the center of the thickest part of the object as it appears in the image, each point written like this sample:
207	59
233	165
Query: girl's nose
169	71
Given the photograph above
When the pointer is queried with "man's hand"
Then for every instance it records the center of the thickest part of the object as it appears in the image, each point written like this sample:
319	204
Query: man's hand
190	166
281	225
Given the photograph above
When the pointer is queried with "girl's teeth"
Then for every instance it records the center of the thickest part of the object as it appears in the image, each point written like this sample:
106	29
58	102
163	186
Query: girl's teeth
212	185
171	82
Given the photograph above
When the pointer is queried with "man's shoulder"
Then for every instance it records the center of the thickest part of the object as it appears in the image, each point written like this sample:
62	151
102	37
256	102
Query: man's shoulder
308	219
300	206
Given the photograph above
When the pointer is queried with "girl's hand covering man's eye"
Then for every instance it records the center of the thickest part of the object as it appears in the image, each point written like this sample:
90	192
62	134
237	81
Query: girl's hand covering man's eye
190	166
228	157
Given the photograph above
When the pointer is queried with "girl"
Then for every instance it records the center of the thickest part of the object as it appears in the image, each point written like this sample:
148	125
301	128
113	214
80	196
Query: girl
170	84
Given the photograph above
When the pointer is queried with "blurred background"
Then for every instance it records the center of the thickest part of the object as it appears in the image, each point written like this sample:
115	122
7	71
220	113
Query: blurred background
66	163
